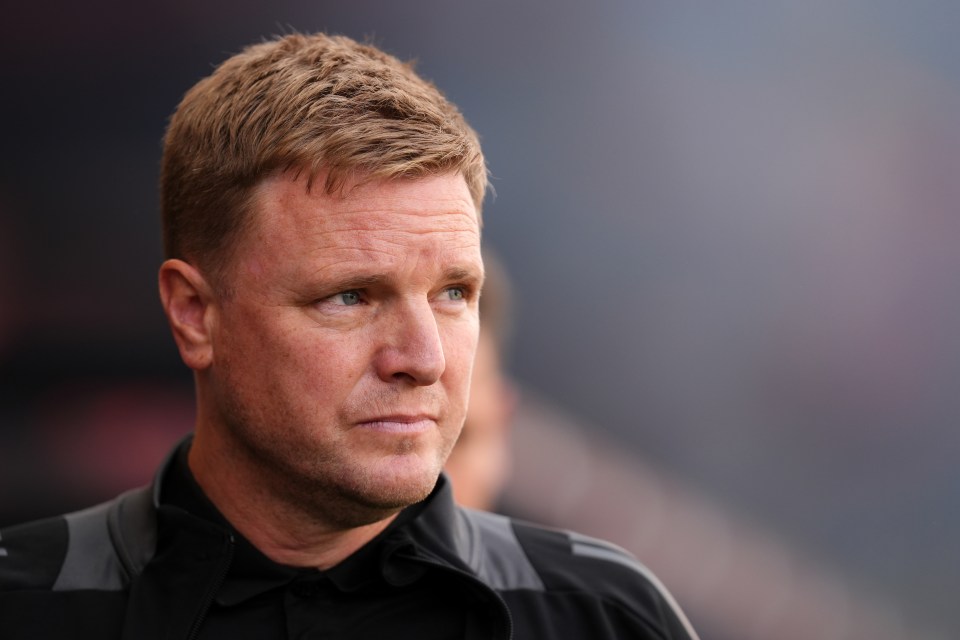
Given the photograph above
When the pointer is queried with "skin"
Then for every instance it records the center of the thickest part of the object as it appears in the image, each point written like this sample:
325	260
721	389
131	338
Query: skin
332	376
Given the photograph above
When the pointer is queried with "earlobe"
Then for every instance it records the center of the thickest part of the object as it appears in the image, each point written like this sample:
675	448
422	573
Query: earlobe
187	301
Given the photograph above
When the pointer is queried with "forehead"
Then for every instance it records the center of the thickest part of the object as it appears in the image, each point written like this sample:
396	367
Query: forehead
381	222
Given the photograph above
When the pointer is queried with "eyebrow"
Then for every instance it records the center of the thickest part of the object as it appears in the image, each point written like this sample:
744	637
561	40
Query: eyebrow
468	275
454	274
359	282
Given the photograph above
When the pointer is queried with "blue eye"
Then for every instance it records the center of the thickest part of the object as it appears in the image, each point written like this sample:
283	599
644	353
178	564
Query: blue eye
348	298
456	293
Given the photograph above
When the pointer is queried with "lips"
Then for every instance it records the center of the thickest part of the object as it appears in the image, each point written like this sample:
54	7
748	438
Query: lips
404	423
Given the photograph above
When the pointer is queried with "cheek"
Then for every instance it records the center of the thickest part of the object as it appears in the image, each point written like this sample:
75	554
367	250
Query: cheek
460	346
329	367
320	363
277	358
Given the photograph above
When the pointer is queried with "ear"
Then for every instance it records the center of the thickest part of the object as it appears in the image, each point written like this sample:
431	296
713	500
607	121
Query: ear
187	300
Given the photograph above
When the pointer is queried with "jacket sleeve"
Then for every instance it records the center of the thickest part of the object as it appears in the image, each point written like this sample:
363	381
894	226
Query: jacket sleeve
622	596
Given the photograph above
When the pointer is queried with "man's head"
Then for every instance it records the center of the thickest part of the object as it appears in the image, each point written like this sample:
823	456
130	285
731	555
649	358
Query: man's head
321	214
311	104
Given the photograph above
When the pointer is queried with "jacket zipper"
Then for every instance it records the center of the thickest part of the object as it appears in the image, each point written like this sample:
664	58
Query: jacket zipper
223	568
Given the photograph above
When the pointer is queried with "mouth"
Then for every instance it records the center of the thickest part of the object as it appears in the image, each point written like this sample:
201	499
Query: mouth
403	424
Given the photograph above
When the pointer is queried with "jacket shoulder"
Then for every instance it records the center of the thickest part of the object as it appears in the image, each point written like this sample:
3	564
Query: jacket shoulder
89	549
33	601
32	554
570	560
568	563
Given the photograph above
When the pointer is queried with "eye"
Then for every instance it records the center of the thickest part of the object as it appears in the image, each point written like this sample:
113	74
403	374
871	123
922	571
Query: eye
347	298
456	293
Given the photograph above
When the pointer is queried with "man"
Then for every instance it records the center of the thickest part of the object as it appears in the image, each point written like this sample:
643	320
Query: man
321	209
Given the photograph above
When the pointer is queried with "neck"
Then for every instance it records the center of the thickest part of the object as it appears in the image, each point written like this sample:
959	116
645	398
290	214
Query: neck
280	526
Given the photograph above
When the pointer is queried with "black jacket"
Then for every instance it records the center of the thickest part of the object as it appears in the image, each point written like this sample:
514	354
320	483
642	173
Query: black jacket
134	569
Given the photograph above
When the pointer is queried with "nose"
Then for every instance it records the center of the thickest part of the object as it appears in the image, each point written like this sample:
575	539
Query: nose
412	348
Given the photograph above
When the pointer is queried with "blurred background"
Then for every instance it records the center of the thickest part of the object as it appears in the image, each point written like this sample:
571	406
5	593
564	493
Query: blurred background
731	230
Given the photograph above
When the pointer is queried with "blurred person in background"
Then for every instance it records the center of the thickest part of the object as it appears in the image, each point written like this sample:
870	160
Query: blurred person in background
321	207
479	465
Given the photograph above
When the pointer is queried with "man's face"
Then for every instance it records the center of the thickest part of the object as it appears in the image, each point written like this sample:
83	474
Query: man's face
342	355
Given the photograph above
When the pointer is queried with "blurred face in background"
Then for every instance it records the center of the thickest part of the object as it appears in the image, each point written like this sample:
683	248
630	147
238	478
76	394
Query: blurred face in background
479	464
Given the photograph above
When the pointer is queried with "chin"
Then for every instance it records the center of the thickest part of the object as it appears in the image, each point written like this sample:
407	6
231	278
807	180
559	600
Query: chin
373	497
398	482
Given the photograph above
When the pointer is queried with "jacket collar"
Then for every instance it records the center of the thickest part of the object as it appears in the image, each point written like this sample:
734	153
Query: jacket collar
178	561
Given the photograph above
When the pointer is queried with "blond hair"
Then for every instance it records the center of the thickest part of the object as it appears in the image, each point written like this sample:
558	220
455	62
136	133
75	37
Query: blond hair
308	103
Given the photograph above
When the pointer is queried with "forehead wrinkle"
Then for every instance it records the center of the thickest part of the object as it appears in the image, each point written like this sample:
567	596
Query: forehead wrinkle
399	222
331	229
467	265
382	234
393	244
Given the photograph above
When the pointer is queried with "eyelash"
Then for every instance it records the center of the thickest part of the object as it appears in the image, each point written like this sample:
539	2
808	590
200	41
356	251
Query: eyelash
464	293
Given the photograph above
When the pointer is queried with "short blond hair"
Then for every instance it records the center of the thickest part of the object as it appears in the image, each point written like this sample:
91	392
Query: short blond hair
307	103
